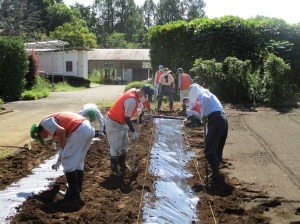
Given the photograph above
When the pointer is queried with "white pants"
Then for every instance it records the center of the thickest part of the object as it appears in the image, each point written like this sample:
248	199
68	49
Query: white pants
76	147
117	136
183	93
156	85
190	112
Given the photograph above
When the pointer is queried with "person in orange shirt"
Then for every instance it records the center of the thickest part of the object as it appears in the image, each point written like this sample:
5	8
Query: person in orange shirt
74	134
157	76
184	82
193	112
149	92
117	125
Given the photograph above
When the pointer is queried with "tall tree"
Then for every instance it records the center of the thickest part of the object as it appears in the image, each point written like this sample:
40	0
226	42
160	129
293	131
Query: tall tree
58	14
76	34
88	14
169	11
149	13
194	9
20	18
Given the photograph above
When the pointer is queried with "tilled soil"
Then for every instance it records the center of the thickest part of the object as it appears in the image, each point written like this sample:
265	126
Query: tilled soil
107	199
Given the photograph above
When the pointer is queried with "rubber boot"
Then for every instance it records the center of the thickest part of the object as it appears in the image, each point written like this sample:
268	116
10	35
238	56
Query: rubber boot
183	108
214	178
193	121
198	122
73	189
171	106
114	166
80	179
122	163
158	106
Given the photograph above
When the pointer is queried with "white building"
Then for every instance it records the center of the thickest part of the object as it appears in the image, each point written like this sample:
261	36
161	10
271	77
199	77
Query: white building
126	65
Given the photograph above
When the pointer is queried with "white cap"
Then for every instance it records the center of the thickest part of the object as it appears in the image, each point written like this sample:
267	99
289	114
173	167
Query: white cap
195	90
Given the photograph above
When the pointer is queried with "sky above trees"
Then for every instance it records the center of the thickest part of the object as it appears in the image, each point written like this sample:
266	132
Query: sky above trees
287	10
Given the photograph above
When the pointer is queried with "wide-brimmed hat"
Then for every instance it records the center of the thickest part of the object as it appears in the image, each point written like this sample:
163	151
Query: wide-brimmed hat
166	70
91	114
34	133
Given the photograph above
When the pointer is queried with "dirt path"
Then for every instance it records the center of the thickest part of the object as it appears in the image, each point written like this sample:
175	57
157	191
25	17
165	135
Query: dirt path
261	171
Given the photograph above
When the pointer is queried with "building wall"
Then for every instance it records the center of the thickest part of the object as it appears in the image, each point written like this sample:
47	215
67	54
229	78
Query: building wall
55	62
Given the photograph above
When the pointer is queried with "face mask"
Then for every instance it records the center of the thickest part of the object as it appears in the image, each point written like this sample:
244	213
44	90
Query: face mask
143	99
48	138
187	104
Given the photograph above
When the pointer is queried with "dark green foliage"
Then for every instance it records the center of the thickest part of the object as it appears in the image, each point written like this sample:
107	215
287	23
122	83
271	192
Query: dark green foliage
13	67
71	80
231	55
137	84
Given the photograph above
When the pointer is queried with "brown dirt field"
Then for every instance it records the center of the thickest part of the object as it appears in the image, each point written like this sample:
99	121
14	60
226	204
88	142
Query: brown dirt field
108	199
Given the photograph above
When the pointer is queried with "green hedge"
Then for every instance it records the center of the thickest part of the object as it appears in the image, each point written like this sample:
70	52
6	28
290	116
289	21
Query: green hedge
71	80
13	67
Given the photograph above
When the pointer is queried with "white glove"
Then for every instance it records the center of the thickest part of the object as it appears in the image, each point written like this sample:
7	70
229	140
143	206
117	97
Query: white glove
55	166
58	162
135	135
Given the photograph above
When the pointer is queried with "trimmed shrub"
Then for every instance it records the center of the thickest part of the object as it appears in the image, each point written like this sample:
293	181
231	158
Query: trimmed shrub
13	68
71	80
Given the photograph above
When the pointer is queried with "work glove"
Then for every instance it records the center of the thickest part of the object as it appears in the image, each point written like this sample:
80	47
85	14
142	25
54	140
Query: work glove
204	119
135	135
55	166
58	162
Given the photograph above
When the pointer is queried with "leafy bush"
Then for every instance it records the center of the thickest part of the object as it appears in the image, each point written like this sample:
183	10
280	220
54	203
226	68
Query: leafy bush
136	84
64	87
13	67
96	76
41	89
29	95
1	103
276	87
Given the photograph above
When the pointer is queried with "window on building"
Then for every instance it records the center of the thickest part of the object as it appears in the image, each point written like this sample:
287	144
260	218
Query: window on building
69	66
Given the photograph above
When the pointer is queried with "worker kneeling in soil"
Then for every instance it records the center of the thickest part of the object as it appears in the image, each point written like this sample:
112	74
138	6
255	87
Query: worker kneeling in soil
146	105
193	111
117	124
74	134
91	112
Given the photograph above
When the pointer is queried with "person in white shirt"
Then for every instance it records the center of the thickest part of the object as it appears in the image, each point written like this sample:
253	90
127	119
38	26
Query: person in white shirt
212	114
91	112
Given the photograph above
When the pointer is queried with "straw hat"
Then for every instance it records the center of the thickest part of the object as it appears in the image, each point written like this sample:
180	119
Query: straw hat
166	70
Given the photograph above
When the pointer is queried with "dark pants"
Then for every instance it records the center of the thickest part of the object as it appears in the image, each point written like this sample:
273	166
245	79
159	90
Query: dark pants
217	130
165	90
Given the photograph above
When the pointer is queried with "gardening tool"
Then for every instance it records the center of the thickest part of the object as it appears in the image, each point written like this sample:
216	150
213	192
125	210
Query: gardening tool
12	146
135	145
206	165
